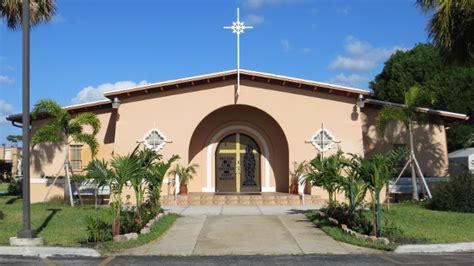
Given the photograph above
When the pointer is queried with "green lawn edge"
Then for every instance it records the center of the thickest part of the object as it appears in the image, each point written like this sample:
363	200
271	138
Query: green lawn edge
337	234
156	231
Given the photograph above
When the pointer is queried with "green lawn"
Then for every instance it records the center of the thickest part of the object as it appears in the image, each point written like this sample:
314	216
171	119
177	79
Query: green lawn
3	187
417	224
57	223
422	225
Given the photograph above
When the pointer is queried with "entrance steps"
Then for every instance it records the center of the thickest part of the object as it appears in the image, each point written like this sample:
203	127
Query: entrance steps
269	198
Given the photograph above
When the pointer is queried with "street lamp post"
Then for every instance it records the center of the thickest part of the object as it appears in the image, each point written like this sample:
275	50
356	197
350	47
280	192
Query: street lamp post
26	232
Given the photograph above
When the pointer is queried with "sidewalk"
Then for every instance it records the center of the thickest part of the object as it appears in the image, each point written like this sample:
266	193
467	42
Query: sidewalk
250	234
44	252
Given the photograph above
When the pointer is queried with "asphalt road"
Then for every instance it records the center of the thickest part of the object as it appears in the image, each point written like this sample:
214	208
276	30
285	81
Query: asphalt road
385	259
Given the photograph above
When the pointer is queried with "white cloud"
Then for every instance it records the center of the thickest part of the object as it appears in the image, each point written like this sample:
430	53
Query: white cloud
361	56
285	45
256	4
8	68
345	10
6	109
306	50
5	80
254	20
90	93
353	80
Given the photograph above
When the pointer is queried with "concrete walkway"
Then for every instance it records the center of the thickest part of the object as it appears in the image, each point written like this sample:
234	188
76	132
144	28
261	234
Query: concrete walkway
244	230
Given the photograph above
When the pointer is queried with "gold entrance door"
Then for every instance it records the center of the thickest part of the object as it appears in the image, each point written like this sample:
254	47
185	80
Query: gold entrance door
237	164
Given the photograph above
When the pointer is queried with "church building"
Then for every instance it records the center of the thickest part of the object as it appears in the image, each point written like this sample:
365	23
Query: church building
244	138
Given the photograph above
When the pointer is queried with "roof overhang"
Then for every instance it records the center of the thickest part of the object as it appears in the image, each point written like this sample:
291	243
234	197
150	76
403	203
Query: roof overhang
232	75
420	109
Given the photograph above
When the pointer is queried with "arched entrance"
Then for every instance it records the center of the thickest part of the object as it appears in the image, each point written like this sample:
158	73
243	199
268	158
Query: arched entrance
261	128
238	164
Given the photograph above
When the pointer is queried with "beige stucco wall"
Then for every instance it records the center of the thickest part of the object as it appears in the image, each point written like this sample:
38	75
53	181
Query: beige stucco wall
430	142
273	115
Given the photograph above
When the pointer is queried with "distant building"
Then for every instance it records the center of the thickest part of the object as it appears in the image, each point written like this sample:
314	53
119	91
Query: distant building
11	154
461	161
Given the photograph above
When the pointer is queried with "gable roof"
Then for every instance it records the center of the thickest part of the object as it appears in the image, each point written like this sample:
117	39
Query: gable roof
256	76
232	75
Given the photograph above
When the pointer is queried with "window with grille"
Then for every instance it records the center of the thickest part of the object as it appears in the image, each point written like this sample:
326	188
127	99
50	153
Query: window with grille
323	140
75	156
154	140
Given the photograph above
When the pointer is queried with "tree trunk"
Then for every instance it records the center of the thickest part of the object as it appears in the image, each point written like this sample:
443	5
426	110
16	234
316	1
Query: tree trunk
96	191
414	196
379	214
68	180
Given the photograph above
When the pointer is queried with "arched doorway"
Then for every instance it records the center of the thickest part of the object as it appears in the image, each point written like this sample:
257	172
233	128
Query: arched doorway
238	164
260	126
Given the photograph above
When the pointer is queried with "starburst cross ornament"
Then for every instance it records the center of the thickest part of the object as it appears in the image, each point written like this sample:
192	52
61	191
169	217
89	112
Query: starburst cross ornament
238	27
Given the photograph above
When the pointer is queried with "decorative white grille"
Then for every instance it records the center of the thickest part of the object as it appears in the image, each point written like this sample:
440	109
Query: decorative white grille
323	140
155	140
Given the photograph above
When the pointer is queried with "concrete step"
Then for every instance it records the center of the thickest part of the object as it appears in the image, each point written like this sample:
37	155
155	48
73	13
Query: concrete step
232	199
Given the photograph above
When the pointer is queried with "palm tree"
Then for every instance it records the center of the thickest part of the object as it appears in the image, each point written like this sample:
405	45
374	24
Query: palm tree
184	174
15	139
66	129
376	171
451	27
327	172
408	115
155	176
353	184
40	11
98	174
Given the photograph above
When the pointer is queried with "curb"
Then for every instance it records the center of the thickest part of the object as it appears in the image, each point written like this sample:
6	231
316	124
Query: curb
44	252
436	248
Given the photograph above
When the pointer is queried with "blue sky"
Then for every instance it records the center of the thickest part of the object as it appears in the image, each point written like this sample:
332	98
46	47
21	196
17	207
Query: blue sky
93	46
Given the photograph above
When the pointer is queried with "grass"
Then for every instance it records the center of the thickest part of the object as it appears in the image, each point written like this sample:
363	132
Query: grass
336	233
3	187
157	230
62	225
422	225
414	223
58	223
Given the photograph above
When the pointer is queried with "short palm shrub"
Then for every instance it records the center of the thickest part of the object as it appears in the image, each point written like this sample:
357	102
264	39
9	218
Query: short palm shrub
456	194
97	229
327	173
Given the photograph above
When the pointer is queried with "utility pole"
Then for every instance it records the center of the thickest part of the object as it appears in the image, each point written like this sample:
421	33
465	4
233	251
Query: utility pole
26	232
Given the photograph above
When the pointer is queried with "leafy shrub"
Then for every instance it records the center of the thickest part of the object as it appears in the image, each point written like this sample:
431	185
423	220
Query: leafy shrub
148	212
15	187
130	221
457	194
357	221
97	229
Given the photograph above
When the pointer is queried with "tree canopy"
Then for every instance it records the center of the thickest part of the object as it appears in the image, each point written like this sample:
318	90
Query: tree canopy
451	86
451	27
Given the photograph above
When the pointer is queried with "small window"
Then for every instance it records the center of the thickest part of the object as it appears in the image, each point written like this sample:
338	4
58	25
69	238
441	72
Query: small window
155	140
75	156
8	155
323	140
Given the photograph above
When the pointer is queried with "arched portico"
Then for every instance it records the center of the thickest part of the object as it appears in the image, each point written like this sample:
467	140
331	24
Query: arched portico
252	122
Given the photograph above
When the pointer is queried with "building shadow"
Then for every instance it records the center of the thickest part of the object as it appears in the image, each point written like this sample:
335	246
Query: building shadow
47	220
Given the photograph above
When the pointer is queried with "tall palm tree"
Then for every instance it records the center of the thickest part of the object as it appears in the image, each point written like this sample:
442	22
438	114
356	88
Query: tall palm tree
67	129
451	27
40	11
408	115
